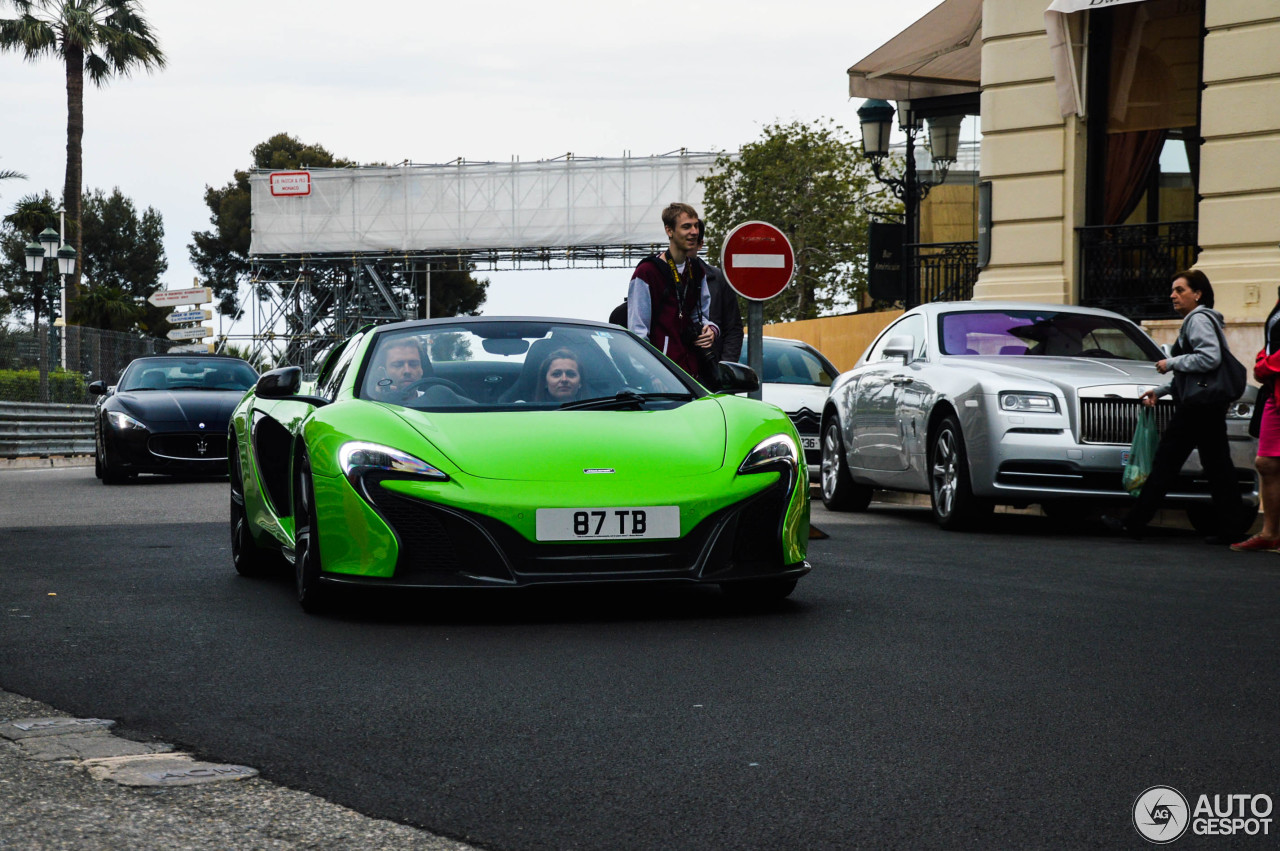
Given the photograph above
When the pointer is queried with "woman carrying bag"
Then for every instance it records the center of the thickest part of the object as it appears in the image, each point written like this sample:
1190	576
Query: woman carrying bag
1204	378
1266	427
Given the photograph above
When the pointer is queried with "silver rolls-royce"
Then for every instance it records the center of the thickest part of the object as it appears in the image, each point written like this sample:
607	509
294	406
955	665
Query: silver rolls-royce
986	403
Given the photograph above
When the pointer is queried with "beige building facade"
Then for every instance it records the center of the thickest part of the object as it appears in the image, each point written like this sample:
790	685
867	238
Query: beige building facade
1106	122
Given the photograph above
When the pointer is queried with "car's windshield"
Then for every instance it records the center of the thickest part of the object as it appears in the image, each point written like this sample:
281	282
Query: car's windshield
1019	333
510	365
188	374
788	363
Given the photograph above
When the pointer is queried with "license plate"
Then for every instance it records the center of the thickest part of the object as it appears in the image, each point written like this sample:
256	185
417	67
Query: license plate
607	524
1124	457
809	442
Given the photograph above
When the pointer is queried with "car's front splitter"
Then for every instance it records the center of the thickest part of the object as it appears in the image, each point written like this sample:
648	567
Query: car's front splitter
760	536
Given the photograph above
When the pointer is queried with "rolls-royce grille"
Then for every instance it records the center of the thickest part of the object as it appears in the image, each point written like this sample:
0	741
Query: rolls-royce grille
1113	420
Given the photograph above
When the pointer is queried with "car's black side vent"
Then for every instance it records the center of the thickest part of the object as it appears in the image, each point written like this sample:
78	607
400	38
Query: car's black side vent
1113	420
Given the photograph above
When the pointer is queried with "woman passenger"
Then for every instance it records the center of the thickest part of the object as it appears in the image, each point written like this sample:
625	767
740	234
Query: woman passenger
562	378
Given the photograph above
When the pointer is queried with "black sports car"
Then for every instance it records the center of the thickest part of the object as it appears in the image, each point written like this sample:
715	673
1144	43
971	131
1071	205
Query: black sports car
168	414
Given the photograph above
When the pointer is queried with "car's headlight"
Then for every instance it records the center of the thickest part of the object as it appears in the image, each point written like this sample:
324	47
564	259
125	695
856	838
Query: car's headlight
773	453
358	458
1240	410
1029	403
123	422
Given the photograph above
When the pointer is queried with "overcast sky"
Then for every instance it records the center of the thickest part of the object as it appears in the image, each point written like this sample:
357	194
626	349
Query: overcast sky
430	82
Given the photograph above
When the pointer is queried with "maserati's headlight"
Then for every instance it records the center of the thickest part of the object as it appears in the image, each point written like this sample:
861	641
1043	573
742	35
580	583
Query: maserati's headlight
1029	403
357	458
771	454
123	422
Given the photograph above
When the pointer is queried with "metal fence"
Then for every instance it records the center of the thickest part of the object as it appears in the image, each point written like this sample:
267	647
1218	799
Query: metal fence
57	364
32	429
1127	268
946	271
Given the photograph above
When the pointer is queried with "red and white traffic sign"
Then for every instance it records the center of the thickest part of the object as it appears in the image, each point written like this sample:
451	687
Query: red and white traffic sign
757	260
290	182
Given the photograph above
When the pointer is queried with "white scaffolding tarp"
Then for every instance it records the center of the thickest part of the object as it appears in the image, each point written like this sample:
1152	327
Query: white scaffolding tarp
472	206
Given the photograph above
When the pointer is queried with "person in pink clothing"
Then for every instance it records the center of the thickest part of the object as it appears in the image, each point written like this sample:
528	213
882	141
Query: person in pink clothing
1266	368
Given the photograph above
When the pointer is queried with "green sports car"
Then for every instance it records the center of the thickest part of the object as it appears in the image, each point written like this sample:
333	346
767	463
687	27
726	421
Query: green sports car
507	452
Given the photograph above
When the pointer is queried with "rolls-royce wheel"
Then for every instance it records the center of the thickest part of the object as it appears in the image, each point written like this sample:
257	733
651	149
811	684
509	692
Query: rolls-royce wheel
951	493
839	491
1204	519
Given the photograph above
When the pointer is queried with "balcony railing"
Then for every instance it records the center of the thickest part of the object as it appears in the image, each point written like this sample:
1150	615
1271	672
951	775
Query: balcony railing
1128	268
946	271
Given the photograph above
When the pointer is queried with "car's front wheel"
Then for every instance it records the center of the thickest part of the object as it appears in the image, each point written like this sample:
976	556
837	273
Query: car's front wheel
109	474
839	491
248	558
306	559
950	490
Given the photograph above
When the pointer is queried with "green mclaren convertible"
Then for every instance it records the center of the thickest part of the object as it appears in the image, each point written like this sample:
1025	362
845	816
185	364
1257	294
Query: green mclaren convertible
507	452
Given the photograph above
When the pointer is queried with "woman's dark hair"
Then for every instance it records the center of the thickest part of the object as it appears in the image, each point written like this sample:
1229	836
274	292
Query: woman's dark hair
1198	282
541	394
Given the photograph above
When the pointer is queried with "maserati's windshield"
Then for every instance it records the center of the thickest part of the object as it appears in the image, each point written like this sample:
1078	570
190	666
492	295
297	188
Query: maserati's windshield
187	374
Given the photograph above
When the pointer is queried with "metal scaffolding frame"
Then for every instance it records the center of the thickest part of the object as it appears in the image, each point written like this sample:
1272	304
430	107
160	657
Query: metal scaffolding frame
302	302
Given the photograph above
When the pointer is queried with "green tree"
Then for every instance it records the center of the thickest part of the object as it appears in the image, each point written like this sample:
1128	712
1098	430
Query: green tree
100	39
124	257
811	181
123	260
23	290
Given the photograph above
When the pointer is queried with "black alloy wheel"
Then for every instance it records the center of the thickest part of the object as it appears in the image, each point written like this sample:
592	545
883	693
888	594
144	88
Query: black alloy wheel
248	558
312	596
839	491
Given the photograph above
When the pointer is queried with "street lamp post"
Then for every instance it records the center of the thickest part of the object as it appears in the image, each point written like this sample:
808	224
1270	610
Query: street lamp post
51	246
876	118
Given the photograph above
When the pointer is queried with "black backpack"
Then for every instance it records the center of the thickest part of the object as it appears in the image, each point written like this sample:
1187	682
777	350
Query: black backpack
619	314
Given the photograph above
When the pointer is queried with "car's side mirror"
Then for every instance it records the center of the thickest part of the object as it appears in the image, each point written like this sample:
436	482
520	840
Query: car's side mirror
279	383
736	377
1164	347
284	383
97	388
900	347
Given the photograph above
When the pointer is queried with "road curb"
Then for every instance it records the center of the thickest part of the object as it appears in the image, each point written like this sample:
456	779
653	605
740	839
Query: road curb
35	463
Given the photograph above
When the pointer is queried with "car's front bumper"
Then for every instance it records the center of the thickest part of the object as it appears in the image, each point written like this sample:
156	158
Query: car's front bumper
403	538
177	452
1033	465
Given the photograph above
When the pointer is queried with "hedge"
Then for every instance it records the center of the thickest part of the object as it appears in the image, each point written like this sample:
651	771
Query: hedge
23	385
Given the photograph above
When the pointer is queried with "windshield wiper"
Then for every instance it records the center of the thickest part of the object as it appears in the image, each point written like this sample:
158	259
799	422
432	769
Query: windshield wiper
623	399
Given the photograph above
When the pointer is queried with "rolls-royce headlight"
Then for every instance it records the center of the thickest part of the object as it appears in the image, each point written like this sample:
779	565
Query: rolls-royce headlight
773	453
358	458
1029	403
1240	410
123	422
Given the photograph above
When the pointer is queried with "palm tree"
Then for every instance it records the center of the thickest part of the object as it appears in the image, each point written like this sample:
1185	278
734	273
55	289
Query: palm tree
101	38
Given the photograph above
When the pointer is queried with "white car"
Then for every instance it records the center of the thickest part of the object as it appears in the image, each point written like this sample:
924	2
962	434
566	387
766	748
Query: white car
796	377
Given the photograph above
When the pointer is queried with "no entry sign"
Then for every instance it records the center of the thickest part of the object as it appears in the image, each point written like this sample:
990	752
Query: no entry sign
757	260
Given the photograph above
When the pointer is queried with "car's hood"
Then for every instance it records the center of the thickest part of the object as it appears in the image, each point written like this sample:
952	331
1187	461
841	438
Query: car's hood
1068	372
793	397
559	445
195	409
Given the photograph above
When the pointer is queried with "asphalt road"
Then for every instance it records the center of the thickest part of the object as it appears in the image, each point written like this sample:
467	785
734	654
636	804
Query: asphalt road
1017	687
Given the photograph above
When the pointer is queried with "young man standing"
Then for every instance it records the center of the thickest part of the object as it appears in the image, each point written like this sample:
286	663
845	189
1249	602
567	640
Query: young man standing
668	300
726	310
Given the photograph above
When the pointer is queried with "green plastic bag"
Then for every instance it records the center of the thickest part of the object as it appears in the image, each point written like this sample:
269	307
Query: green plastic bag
1142	451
